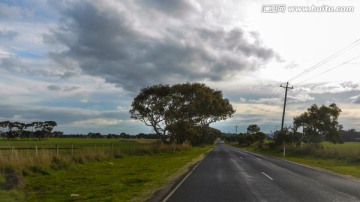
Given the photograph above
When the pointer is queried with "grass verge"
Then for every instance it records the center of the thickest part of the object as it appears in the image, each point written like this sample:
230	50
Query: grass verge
129	178
341	165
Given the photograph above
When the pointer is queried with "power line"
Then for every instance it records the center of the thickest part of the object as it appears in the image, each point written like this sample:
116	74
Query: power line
348	47
276	93
328	70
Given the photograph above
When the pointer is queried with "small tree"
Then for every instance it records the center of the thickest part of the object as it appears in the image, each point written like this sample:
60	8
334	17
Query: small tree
253	128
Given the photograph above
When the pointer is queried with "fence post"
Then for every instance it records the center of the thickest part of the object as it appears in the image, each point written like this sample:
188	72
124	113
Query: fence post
36	150
57	149
111	149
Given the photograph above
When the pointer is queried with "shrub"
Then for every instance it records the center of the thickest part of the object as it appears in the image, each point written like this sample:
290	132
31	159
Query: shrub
58	164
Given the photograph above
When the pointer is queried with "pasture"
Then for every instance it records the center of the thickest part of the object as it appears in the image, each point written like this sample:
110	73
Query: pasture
21	154
91	169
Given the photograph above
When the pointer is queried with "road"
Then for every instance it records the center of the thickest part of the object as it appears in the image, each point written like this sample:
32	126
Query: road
231	174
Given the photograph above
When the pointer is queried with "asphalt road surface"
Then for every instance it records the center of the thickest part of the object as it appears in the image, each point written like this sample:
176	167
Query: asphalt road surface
230	174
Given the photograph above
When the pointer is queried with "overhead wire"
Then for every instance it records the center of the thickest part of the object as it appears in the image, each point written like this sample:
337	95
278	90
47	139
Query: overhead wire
275	94
331	57
348	47
328	70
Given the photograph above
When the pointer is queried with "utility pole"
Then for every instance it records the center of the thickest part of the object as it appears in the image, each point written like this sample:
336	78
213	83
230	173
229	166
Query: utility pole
283	115
236	129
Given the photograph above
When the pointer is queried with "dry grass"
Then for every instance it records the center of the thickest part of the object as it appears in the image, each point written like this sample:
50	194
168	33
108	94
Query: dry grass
31	161
329	150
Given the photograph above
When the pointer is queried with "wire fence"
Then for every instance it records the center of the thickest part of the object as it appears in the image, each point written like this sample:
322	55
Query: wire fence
74	149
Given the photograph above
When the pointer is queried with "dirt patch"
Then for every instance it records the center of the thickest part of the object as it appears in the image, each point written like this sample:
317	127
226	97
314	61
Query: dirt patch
13	179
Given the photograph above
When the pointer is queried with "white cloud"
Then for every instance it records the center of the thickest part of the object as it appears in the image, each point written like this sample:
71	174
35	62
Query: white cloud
242	99
301	98
97	122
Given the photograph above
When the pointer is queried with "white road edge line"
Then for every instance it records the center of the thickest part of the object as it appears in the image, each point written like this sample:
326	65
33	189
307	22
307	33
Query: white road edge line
267	175
182	181
299	164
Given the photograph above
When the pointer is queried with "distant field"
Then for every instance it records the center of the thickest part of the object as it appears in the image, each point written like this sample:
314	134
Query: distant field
72	145
69	142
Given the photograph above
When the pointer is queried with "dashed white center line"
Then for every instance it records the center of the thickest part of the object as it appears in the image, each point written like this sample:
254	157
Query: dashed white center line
267	176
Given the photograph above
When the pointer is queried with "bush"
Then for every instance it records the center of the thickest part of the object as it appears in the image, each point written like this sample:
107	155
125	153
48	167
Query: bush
58	164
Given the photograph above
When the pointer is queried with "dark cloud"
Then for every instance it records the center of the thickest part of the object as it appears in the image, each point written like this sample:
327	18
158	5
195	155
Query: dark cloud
108	43
7	35
28	113
9	12
17	65
59	88
356	99
54	87
175	8
61	115
13	64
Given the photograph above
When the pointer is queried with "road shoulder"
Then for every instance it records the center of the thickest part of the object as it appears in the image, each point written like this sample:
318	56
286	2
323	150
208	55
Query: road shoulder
177	178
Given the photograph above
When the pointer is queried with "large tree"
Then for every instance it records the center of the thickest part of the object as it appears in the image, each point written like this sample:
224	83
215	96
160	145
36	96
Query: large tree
319	123
178	110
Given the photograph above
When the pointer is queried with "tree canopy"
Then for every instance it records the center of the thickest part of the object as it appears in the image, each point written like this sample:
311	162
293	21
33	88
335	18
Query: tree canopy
253	128
39	129
182	111
319	123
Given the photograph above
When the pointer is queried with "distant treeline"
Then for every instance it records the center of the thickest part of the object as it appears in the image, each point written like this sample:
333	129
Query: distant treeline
246	139
350	135
108	136
34	130
44	129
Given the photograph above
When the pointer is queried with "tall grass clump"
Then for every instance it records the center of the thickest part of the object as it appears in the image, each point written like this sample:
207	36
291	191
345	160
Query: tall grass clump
349	151
43	161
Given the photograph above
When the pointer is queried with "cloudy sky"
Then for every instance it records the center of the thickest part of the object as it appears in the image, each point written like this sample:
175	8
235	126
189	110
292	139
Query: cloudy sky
80	63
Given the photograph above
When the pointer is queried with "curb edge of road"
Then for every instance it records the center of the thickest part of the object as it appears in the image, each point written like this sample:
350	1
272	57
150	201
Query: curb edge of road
165	191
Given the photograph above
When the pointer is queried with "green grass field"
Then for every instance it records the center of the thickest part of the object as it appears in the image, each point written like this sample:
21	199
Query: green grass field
97	177
133	178
66	146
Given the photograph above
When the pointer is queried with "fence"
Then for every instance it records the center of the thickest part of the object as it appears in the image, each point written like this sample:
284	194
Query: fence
73	149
